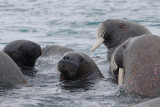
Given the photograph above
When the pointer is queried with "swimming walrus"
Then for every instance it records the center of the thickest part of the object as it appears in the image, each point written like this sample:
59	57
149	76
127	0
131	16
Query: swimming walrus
9	71
24	53
77	65
51	50
137	60
113	32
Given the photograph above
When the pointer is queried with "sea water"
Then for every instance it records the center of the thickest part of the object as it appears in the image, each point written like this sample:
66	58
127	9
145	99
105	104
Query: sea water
70	23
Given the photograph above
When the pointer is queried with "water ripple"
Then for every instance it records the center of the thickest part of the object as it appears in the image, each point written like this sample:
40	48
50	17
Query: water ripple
72	24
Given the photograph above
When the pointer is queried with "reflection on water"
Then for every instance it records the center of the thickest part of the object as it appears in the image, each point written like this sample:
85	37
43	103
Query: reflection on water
72	24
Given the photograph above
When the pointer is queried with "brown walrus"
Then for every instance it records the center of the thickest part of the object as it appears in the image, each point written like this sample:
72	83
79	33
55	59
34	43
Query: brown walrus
113	32
9	71
139	59
77	65
24	53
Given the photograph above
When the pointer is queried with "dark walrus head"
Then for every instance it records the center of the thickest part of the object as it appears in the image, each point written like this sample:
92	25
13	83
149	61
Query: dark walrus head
75	65
113	32
23	52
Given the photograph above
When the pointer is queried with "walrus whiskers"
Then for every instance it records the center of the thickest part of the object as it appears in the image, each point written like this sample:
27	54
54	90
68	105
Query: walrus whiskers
113	64
101	32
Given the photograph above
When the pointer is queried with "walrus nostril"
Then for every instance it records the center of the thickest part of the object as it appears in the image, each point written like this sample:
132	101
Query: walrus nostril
66	57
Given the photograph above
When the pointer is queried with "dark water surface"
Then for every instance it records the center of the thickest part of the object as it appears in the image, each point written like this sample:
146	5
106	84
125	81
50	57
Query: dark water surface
71	23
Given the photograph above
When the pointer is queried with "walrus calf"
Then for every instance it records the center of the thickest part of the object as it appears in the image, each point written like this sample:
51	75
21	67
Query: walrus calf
24	53
139	59
9	71
77	65
113	32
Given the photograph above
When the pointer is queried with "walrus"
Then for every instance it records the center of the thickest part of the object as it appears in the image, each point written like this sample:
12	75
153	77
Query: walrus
77	65
51	50
113	32
137	61
24	53
150	103
9	71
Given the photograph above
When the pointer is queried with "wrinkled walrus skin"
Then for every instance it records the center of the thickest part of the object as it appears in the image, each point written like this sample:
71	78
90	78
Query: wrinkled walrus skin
140	59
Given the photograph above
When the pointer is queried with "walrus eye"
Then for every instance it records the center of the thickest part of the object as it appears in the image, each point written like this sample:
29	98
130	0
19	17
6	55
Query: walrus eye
81	60
20	48
121	25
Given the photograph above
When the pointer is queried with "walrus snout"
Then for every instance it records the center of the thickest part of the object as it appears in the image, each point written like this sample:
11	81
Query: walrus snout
32	53
34	49
68	69
70	59
66	57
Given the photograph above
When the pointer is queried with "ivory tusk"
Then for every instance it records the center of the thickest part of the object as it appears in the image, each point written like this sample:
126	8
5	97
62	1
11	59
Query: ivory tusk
120	76
99	42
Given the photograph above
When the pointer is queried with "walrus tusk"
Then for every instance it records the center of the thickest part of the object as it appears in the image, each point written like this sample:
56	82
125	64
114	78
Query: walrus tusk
99	42
120	76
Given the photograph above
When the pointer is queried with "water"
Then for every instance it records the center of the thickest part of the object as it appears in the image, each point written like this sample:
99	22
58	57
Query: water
71	23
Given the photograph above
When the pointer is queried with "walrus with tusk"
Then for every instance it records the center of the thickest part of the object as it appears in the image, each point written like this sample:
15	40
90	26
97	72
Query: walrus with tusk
113	32
136	63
